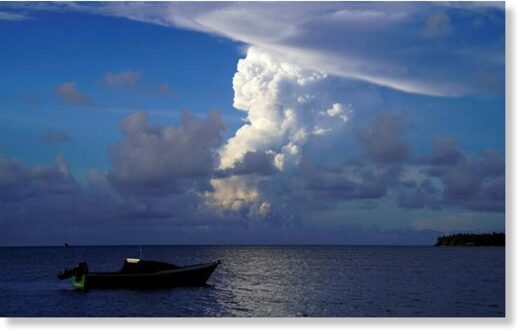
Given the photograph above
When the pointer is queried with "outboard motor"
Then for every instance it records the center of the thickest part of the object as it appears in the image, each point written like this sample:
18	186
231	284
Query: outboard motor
79	270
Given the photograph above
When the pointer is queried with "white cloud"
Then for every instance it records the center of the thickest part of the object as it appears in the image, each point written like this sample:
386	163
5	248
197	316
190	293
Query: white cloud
285	104
337	110
235	194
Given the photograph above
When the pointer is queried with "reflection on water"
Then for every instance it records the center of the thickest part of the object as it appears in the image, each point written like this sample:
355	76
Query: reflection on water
267	281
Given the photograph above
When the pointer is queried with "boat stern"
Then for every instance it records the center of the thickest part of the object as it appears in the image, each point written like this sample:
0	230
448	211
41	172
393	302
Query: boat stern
78	281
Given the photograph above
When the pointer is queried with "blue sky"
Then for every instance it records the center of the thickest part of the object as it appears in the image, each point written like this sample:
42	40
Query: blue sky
52	48
251	123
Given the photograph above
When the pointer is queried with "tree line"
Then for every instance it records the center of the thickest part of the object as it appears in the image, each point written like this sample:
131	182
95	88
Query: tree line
470	239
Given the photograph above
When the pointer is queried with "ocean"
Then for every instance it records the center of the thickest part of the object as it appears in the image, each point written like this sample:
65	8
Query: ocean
266	281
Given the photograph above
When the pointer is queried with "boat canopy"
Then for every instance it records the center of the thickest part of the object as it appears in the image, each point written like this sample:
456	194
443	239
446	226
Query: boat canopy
144	267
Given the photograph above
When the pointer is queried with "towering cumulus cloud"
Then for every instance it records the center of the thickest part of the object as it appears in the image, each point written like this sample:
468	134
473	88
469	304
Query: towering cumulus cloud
286	105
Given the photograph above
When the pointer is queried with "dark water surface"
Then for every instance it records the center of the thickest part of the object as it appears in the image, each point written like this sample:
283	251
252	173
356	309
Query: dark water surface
266	281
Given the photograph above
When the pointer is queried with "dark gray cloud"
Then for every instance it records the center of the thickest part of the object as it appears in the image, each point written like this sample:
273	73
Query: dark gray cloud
257	162
448	178
153	158
45	202
454	178
476	182
350	182
158	175
51	137
160	181
446	151
18	182
383	140
69	92
418	195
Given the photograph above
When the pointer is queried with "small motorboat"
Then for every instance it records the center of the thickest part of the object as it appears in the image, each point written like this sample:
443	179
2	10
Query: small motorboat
140	274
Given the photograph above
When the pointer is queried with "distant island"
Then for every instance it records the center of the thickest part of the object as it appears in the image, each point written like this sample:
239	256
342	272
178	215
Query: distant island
465	239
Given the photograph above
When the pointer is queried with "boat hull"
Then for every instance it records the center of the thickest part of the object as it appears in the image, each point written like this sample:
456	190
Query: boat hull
195	275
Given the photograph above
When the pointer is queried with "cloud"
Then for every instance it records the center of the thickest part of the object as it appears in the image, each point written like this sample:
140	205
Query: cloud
51	137
133	80
158	179
418	195
291	87
388	47
287	108
385	172
234	195
285	104
461	222
158	172
69	92
448	178
437	24
475	182
125	79
164	180
165	89
253	162
349	182
25	188
384	141
446	151
153	158
451	177
45	204
8	16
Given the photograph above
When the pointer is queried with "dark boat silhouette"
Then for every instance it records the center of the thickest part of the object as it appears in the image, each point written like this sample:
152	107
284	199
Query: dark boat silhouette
140	274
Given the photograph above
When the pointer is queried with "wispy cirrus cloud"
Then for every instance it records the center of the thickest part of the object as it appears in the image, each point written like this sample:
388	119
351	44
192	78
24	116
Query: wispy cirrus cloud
437	25
396	45
10	16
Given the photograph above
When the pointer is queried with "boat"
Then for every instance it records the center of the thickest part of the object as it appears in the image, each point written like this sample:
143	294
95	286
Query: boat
140	274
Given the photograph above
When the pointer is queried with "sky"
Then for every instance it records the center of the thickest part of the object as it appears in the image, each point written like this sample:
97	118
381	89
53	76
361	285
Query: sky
251	123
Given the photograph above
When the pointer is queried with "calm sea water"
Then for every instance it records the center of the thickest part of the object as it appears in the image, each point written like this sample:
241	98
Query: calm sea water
266	281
